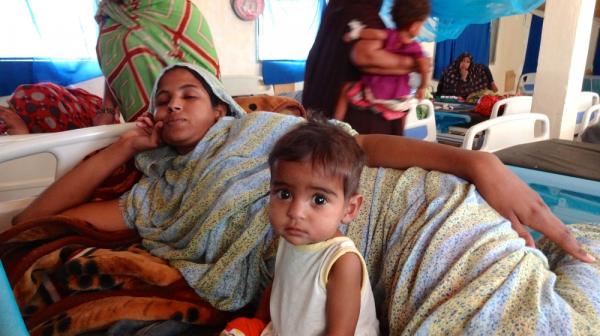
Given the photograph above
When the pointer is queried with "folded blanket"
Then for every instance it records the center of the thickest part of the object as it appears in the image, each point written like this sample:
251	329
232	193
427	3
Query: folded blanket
279	104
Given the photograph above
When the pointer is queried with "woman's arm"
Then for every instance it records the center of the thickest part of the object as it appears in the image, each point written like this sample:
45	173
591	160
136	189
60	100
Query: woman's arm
504	191
70	193
343	295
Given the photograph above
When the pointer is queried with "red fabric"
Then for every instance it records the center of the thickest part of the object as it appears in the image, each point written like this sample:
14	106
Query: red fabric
47	107
357	97
485	104
246	326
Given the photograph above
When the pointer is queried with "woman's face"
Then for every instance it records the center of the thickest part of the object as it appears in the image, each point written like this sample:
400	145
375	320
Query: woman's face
465	63
184	106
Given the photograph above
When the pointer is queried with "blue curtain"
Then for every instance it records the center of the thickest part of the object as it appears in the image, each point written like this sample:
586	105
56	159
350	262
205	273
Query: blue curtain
55	42
533	44
475	39
450	17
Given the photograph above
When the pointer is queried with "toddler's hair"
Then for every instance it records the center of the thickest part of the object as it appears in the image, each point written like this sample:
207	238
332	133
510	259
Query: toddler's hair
328	147
406	12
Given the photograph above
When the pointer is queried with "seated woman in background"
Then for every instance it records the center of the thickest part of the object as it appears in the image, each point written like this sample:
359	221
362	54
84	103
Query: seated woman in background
464	77
47	107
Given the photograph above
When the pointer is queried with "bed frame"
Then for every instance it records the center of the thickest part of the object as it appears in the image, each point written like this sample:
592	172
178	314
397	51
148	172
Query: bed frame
29	163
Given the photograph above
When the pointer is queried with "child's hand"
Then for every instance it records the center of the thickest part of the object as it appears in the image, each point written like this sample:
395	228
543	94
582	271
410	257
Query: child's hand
146	135
421	92
355	28
348	37
424	65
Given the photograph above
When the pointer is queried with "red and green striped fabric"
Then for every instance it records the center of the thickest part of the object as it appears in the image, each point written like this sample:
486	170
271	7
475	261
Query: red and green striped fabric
138	38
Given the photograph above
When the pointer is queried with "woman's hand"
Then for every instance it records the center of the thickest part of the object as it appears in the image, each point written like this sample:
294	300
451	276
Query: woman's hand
514	200
145	136
11	122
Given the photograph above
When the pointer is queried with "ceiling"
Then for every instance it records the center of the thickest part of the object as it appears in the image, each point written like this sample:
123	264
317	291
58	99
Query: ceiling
596	11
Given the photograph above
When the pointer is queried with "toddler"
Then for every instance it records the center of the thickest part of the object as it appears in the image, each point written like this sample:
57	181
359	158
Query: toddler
321	285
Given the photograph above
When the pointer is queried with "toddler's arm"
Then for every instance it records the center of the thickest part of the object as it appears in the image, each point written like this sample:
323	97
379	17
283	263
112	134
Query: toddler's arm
424	69
343	295
368	53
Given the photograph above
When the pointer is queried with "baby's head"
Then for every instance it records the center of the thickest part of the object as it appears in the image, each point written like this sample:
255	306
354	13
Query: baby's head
187	106
315	173
409	15
327	147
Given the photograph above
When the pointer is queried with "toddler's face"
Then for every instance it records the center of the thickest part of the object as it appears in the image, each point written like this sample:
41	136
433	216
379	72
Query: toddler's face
306	206
415	28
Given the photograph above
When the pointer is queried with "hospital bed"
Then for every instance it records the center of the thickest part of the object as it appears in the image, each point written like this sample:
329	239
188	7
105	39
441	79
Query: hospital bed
67	148
51	155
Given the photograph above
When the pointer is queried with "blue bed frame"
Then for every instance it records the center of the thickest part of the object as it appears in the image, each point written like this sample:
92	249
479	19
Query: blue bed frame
572	199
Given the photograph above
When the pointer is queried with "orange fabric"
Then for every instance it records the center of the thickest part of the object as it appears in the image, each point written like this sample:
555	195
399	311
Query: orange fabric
244	326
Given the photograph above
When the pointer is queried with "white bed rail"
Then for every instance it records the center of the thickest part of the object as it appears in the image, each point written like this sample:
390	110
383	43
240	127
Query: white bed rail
68	147
51	155
507	131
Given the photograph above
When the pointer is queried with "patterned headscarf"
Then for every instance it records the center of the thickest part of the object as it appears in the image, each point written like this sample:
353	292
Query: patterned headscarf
215	87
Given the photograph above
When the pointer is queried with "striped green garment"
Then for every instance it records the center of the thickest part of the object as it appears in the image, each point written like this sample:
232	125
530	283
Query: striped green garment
441	261
138	38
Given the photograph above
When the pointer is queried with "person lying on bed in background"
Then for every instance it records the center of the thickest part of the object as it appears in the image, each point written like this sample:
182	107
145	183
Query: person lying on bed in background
47	107
202	206
138	38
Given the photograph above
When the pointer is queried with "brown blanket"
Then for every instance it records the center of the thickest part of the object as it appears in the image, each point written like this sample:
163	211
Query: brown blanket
69	278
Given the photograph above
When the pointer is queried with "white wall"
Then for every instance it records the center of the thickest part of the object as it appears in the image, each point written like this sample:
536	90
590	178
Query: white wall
513	32
234	39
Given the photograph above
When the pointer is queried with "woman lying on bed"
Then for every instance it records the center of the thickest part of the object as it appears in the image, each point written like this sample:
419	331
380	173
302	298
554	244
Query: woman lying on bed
439	257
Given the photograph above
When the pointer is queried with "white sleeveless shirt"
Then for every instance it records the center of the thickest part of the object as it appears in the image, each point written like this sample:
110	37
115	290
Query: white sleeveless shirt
299	293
